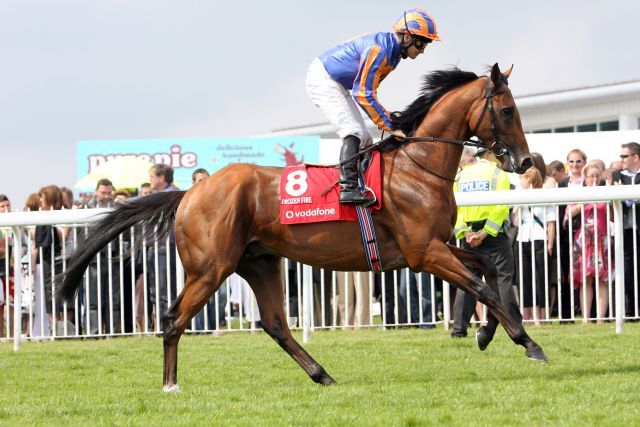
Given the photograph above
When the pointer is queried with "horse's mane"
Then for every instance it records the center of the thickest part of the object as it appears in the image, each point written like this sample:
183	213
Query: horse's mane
436	84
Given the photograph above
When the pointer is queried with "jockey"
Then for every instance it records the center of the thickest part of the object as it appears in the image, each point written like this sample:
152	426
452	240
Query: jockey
359	65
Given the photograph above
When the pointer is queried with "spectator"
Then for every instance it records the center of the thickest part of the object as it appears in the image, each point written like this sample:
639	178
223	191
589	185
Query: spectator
161	178
354	299
145	189
120	196
616	165
199	175
162	287
103	276
482	229
391	305
630	156
6	284
467	159
591	250
531	246
40	321
557	171
415	290
601	166
48	240
576	159
599	163
68	236
548	181
607	176
103	196
67	197
323	296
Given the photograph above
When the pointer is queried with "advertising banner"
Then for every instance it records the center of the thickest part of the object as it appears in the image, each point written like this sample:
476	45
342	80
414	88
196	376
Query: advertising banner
187	155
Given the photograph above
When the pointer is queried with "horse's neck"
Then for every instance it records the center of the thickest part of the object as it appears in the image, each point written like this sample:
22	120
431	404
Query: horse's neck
448	118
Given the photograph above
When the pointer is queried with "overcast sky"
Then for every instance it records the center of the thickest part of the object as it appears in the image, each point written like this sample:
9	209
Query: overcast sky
81	70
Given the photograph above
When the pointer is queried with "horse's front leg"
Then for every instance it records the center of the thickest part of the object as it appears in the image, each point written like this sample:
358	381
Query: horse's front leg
441	261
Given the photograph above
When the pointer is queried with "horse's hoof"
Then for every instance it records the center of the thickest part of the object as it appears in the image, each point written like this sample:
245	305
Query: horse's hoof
326	380
173	388
537	354
482	338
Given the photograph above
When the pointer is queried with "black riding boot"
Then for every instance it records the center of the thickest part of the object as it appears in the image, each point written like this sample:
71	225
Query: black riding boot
349	191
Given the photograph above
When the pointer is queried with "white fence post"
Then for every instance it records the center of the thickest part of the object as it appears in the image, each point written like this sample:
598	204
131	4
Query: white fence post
307	278
17	287
619	254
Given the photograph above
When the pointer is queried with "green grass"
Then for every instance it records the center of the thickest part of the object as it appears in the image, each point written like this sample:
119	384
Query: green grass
400	377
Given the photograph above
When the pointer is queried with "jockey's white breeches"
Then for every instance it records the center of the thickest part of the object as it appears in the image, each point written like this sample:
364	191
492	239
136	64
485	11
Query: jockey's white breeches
335	102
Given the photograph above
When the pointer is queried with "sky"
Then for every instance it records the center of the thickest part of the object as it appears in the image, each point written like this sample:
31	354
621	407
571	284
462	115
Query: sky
77	70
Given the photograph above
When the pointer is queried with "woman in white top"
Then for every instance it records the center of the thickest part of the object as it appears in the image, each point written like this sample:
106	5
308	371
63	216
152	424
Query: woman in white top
533	240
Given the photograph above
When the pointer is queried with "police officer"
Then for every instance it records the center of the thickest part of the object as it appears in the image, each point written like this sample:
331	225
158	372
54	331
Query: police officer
482	229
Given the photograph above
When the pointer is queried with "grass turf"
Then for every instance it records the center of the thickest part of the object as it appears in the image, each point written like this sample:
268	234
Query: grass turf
397	377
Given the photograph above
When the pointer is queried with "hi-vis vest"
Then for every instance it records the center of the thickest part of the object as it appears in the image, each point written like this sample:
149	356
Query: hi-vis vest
482	176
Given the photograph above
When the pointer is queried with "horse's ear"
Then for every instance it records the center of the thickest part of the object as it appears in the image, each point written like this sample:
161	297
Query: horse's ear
507	73
495	73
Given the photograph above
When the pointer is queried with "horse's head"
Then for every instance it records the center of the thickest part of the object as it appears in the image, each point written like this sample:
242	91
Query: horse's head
496	121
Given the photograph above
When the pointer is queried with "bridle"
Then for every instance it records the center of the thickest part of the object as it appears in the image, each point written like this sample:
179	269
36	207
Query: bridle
498	148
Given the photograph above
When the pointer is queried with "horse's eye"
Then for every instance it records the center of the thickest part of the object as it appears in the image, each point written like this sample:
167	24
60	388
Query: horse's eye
507	111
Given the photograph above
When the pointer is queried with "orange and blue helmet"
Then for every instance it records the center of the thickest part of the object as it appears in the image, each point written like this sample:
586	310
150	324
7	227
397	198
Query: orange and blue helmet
417	22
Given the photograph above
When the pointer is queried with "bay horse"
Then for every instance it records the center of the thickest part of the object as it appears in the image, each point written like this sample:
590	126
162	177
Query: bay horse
230	222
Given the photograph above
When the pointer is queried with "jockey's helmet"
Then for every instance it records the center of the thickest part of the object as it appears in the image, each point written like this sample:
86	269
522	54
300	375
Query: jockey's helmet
417	22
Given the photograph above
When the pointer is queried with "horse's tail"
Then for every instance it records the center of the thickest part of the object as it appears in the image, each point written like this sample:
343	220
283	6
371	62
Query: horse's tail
155	213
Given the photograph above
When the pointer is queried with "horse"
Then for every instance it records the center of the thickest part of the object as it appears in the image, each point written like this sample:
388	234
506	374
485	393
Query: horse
230	222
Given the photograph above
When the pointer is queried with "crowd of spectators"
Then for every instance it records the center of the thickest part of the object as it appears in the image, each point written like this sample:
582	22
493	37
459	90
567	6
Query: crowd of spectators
562	261
563	257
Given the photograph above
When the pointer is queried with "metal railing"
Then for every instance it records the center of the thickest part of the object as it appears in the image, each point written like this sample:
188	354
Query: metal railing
126	299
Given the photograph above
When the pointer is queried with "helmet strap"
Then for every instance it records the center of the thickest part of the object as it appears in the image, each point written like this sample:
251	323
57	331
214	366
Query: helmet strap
404	44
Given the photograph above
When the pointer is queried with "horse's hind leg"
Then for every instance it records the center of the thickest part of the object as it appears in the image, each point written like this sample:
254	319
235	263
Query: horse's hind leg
263	275
197	291
482	263
439	261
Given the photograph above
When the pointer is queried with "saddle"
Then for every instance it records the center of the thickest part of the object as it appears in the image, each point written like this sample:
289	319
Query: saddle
310	193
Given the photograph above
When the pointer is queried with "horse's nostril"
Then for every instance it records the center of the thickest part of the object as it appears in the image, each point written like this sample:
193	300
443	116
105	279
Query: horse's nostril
526	164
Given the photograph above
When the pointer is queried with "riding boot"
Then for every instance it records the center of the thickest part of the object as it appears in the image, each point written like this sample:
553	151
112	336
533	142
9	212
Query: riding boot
349	191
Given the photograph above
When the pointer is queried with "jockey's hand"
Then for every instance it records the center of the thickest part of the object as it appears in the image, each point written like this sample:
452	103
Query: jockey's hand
398	133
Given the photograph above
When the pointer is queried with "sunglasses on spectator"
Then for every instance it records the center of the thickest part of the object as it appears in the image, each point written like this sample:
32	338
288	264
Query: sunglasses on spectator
575	161
624	156
420	43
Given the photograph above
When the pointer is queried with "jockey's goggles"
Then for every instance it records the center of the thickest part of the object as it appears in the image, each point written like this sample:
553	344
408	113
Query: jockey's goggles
421	43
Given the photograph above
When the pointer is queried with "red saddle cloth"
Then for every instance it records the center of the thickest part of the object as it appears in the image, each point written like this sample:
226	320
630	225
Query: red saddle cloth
302	201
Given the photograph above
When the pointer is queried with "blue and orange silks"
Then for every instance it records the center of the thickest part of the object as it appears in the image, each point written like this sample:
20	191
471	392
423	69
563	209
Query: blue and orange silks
360	65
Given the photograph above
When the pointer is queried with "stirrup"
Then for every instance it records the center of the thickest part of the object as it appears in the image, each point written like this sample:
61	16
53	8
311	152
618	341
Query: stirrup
366	192
355	197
